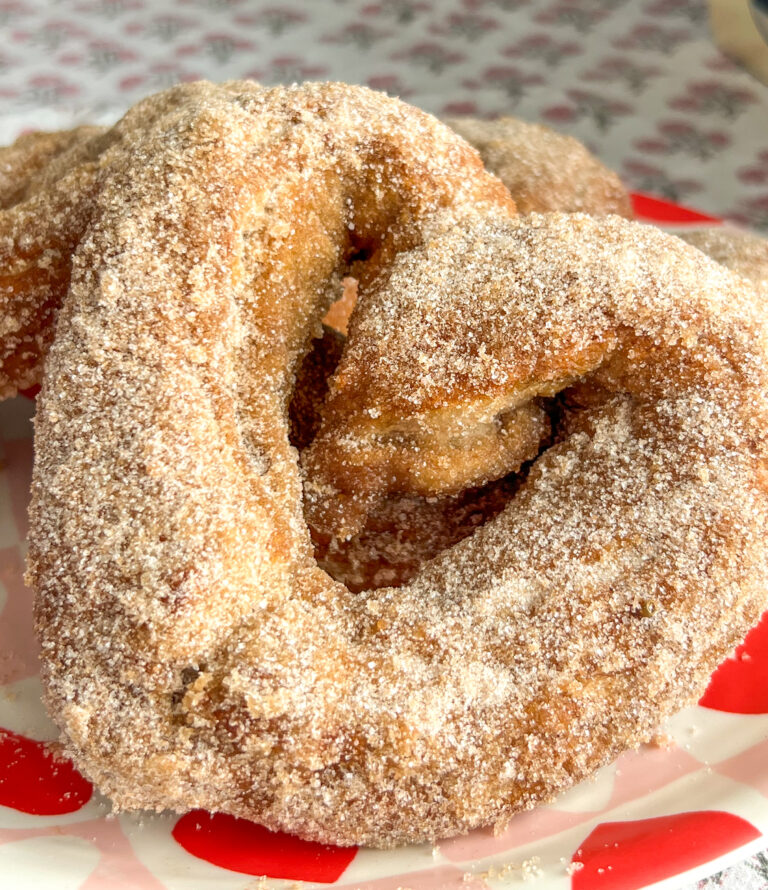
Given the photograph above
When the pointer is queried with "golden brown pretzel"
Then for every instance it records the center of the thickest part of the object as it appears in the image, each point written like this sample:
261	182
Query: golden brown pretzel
43	195
24	162
743	252
543	169
193	652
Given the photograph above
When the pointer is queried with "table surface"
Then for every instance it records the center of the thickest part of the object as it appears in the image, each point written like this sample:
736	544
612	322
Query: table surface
639	81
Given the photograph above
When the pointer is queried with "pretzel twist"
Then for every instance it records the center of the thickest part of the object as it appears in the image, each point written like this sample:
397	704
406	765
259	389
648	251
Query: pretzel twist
193	652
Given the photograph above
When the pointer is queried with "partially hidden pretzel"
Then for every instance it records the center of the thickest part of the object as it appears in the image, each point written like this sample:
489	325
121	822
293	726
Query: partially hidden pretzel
48	186
738	250
544	170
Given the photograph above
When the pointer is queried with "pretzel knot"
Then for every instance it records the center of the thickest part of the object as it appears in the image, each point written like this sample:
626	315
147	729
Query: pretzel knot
195	655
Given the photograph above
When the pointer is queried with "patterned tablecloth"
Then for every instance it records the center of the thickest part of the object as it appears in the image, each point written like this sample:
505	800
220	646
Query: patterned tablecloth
640	81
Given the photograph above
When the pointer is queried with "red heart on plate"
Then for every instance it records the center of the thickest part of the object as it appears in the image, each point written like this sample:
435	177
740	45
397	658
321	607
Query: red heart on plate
658	210
629	855
740	684
249	848
34	780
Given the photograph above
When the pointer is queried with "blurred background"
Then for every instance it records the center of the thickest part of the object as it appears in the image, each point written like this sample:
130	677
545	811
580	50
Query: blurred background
642	82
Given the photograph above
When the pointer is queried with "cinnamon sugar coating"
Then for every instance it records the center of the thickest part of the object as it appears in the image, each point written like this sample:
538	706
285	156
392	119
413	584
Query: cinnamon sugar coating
43	194
543	169
742	252
195	655
48	188
404	531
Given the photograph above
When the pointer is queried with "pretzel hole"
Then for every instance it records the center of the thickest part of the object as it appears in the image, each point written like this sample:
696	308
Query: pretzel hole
187	677
405	531
311	387
320	362
360	253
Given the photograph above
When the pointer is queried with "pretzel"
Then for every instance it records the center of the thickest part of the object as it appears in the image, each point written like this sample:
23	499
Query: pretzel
48	186
195	655
544	170
743	252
